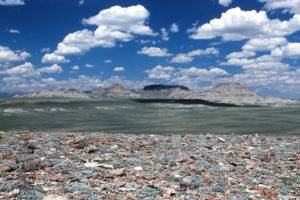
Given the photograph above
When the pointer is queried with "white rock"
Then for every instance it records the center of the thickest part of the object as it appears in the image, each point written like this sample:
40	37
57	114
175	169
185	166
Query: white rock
138	168
106	166
92	164
54	197
221	139
14	193
125	189
177	176
251	148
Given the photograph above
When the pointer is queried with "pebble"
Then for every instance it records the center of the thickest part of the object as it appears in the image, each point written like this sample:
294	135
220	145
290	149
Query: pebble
54	197
14	193
123	166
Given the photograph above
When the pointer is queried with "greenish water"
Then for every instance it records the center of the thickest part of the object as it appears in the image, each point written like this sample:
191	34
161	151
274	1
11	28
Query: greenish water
137	118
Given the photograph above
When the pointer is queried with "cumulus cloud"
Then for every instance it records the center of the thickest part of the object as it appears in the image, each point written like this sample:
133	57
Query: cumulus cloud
13	31
113	24
160	72
154	52
164	34
190	77
264	44
225	2
54	58
119	69
75	67
12	2
54	69
89	65
107	61
242	54
293	6
7	55
45	50
244	61
48	80
236	24
174	28
129	19
80	2
200	52
24	70
182	58
291	50
28	70
186	58
82	82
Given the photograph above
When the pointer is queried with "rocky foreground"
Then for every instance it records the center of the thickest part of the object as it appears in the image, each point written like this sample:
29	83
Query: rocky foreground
92	166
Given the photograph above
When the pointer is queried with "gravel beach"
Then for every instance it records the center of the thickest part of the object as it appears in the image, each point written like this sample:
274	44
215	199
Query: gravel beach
93	166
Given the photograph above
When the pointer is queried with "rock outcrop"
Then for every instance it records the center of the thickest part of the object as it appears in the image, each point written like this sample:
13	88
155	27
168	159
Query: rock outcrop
59	93
235	93
115	91
229	93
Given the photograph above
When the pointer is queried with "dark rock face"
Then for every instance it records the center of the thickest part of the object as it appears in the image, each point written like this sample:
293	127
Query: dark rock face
163	87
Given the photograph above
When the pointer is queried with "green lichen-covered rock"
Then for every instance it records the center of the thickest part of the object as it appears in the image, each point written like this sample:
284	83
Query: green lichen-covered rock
196	181
146	192
80	187
11	166
31	194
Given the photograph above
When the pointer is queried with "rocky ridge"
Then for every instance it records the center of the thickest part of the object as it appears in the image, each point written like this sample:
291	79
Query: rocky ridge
232	93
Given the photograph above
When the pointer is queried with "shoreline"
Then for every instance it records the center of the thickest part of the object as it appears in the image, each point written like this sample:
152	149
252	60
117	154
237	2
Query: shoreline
40	165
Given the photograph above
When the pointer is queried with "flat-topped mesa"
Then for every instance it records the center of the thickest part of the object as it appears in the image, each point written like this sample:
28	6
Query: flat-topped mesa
164	87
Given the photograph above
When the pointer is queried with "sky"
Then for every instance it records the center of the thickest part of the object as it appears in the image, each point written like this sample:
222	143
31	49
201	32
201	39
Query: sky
85	44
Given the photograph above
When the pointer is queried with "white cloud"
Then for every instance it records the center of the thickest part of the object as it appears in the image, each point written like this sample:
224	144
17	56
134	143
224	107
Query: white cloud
7	55
190	77
119	69
244	61
225	2
107	61
114	24
154	52
89	65
45	50
242	54
160	72
82	82
193	71
164	34
54	69
54	58
186	58
235	25
293	6
291	50
174	28
129	19
24	70
80	2
264	44
200	52
182	58
13	31
75	67
48	80
12	2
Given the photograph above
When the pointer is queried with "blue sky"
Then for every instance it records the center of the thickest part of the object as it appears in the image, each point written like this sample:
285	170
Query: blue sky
86	44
